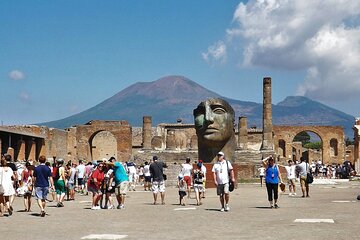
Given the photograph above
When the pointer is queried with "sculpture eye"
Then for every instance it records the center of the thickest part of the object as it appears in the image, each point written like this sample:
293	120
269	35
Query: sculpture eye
219	110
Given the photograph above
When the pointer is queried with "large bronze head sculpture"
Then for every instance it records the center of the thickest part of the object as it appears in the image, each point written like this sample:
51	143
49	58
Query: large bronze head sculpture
214	124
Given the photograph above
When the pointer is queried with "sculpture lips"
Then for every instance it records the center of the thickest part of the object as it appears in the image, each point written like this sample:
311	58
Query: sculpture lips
211	130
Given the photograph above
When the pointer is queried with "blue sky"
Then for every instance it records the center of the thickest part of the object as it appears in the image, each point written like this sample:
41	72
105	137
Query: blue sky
58	58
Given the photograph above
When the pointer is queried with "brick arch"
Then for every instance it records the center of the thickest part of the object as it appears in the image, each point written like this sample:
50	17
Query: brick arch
326	134
96	152
121	130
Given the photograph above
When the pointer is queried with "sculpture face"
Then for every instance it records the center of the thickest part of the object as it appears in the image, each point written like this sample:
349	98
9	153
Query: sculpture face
214	122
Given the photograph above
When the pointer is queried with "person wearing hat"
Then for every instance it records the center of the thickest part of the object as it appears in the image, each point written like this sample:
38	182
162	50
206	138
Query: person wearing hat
221	171
272	179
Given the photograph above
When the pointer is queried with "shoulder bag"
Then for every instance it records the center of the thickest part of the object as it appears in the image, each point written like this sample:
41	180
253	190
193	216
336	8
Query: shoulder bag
309	176
231	183
2	190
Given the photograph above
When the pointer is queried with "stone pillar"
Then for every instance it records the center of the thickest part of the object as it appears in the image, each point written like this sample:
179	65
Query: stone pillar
21	155
32	152
243	134
11	152
267	141
170	140
146	136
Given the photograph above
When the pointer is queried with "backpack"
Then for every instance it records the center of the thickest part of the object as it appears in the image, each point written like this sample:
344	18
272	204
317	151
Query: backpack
56	173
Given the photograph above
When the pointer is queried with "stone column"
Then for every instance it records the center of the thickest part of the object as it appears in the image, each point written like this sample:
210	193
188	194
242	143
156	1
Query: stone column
21	155
170	140
32	152
146	136
243	135
11	152
267	141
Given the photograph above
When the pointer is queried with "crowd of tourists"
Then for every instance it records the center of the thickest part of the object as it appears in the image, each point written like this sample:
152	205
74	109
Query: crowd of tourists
102	180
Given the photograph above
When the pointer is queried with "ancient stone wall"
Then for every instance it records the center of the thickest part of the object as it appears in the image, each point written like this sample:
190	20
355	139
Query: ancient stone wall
331	137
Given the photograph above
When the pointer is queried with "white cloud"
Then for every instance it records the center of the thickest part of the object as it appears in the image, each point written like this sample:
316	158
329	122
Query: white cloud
216	52
24	97
319	37
16	75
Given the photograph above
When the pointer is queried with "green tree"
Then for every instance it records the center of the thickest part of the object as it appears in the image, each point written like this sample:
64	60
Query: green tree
302	137
313	145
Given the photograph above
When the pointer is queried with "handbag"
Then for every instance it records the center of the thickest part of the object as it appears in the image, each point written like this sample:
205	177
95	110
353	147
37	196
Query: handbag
2	190
309	176
231	183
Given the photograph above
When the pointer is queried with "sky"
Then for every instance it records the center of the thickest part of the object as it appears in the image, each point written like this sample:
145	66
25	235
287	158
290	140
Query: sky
58	58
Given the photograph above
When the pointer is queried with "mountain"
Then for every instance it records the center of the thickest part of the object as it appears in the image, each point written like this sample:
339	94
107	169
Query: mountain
170	98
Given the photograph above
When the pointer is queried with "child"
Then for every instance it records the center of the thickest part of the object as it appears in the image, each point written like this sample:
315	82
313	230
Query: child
182	189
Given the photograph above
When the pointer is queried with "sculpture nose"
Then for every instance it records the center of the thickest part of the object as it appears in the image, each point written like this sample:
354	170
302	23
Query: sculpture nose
209	117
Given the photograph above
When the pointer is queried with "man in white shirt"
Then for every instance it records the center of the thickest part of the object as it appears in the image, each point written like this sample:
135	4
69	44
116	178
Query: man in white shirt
80	172
221	170
290	173
186	171
302	170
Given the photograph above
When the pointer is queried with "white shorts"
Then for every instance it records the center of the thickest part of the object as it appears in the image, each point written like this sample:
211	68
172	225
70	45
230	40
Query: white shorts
199	187
158	186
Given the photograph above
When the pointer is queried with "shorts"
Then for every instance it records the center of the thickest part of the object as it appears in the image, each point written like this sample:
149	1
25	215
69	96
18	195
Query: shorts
41	192
70	185
158	186
187	179
148	179
222	189
303	182
80	181
198	187
182	193
122	188
59	186
94	189
291	181
112	190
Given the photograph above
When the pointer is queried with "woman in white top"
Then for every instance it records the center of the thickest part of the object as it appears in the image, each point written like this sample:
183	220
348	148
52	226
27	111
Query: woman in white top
6	176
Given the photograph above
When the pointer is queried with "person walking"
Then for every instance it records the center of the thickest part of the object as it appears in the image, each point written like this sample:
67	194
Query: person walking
272	178
261	174
6	176
27	184
147	177
60	183
42	174
158	181
302	169
198	176
290	174
221	171
186	170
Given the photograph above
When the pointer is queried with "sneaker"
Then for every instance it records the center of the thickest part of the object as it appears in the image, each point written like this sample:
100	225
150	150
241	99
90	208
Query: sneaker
42	214
95	208
120	206
110	207
294	194
276	206
222	209
227	208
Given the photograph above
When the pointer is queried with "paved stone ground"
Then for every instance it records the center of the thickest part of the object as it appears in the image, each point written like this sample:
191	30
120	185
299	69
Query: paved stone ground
249	218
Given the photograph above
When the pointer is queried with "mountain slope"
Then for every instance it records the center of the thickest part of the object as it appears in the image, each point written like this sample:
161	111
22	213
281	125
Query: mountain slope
173	97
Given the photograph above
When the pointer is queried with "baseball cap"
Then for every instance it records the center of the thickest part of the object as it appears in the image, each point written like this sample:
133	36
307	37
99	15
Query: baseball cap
221	154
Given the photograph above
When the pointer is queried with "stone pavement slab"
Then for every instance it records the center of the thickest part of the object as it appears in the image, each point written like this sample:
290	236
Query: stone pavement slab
249	217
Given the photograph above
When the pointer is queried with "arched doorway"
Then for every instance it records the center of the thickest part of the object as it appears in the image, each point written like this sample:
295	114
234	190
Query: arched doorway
103	144
309	145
